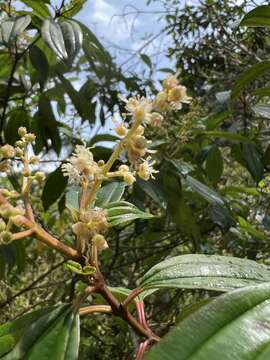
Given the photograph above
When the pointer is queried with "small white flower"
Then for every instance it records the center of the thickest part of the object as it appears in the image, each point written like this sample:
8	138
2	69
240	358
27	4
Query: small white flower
138	107
146	170
81	166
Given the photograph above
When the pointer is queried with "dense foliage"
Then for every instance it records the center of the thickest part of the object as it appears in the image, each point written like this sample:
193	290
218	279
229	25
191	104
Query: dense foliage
176	197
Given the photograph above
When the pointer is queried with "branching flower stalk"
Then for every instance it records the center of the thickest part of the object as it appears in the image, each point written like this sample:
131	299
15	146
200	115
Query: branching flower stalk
91	222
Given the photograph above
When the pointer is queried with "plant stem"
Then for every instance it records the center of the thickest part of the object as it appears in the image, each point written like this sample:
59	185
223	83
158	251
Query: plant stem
106	309
115	155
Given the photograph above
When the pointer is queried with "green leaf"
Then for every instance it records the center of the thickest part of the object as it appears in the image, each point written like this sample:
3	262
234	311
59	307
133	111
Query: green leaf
207	193
122	212
214	164
73	199
10	29
153	189
39	8
43	334
40	63
249	75
16	118
109	193
210	272
262	92
64	38
260	16
226	135
146	59
232	326
79	102
262	110
74	7
77	268
253	160
248	228
54	188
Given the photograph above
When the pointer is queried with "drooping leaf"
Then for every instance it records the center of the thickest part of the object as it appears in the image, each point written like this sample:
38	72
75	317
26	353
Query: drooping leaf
40	63
206	192
54	188
109	193
214	164
232	326
64	38
253	160
10	29
122	212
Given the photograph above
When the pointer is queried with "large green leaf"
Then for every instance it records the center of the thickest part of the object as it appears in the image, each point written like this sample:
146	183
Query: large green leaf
109	193
49	333
10	29
206	192
211	272
249	75
64	38
232	326
121	212
260	16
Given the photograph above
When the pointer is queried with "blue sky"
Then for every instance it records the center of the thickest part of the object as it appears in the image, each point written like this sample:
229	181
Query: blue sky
127	28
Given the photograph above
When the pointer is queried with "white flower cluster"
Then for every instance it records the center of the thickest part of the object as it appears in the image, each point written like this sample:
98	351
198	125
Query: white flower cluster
81	167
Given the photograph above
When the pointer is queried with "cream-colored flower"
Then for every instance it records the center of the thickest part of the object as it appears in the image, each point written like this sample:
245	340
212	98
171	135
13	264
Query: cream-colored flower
138	107
22	131
178	93
146	170
7	151
121	129
81	166
170	82
155	119
127	175
161	102
95	219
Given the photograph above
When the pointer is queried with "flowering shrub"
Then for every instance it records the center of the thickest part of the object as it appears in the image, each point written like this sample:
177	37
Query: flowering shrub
100	203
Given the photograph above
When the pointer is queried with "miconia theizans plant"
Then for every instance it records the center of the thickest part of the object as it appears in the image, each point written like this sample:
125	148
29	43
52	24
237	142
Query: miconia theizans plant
100	198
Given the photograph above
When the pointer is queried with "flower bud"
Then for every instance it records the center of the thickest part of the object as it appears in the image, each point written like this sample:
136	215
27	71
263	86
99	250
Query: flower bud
40	176
34	160
29	137
156	119
5	237
121	130
7	151
4	166
178	93
22	131
7	210
20	143
170	82
2	225
100	242
140	142
19	152
129	178
26	172
18	220
161	103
